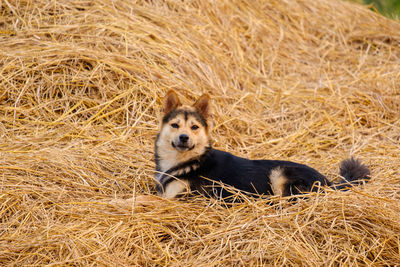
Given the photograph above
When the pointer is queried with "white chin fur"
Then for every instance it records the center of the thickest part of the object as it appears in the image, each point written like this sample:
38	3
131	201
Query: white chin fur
182	148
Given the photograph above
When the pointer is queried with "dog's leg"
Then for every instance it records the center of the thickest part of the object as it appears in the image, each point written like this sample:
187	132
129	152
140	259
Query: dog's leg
278	182
175	188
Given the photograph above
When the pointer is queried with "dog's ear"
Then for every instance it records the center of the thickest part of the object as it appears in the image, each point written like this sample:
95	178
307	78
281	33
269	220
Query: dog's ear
203	105
170	102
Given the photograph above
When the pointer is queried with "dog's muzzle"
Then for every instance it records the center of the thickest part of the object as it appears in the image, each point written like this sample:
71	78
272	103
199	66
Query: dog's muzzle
182	143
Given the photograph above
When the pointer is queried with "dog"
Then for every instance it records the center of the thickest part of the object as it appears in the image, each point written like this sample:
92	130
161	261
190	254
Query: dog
186	163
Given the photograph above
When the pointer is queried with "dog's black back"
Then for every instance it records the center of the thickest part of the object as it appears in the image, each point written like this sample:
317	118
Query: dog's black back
249	176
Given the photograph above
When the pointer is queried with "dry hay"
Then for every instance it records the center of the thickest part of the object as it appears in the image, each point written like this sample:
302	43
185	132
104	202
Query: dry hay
80	86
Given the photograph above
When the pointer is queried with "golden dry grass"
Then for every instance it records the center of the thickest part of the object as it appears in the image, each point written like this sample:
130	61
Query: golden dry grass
80	86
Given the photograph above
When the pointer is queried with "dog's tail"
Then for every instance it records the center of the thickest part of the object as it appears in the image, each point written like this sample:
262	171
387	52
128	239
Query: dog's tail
353	172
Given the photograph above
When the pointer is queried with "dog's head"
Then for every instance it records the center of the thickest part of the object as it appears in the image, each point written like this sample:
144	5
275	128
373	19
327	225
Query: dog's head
184	129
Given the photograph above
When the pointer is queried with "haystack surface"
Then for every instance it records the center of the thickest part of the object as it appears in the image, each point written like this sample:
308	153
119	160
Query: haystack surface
313	81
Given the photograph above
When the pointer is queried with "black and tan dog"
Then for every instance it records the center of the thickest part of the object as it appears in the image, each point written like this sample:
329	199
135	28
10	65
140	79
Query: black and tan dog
186	161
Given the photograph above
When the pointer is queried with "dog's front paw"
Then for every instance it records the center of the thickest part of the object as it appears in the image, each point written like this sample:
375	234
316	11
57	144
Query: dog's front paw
137	201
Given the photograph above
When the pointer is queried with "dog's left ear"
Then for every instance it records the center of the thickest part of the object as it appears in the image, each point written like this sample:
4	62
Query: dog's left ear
170	102
203	105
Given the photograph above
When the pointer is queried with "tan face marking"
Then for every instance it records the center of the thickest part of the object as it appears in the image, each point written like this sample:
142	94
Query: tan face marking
190	128
171	149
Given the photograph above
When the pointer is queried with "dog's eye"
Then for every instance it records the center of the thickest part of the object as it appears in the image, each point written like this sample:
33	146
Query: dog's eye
175	125
195	127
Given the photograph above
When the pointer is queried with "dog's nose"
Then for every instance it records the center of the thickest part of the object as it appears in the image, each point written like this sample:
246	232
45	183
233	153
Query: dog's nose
183	138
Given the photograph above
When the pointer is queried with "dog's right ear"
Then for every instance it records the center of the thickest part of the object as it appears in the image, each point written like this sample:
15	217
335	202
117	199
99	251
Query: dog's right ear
170	102
203	105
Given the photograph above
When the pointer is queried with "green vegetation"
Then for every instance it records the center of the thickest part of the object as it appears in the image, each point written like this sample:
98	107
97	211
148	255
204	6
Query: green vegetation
389	8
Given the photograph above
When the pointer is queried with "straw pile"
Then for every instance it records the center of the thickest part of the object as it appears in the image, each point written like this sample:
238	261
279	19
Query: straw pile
80	87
